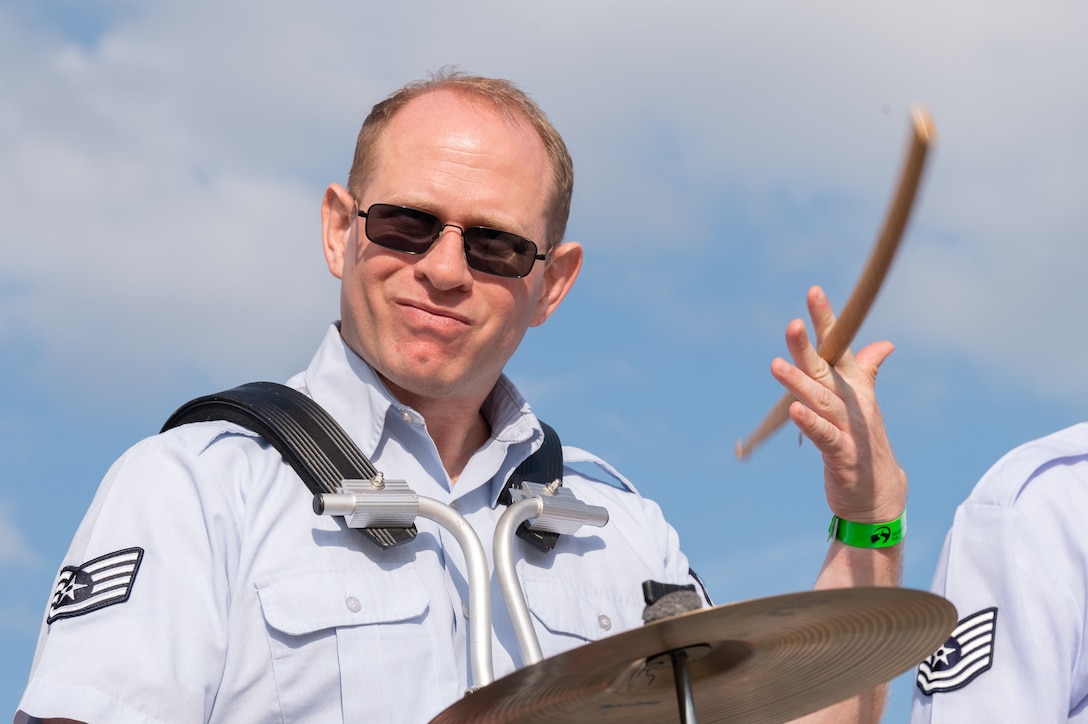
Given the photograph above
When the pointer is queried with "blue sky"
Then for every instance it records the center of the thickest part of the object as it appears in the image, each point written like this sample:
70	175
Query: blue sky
163	165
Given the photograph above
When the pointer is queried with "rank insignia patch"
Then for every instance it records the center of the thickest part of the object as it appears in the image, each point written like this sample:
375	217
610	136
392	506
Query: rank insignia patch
101	582
968	652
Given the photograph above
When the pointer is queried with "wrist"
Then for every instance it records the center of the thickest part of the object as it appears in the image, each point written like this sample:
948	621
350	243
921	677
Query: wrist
868	535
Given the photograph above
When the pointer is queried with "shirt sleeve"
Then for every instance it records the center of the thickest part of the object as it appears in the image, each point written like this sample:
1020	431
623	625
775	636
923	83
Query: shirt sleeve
135	630
646	520
1013	653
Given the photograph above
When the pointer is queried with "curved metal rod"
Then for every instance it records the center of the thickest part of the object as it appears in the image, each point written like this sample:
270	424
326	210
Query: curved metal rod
479	587
506	572
861	299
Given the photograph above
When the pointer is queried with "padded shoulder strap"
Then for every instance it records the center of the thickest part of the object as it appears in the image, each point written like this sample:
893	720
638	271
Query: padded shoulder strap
322	454
307	437
543	466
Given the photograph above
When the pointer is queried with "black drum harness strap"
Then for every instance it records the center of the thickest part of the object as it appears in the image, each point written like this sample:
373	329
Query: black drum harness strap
323	455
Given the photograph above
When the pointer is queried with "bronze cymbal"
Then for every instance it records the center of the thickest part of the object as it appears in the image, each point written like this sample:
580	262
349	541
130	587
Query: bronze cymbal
765	660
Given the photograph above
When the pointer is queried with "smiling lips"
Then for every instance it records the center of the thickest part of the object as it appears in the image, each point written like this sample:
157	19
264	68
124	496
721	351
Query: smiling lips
432	316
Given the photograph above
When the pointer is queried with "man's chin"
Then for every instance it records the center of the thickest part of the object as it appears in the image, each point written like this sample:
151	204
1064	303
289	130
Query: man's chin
433	382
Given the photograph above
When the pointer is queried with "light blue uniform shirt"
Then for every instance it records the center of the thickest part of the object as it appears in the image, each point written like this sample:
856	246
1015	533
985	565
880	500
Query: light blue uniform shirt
1015	565
233	602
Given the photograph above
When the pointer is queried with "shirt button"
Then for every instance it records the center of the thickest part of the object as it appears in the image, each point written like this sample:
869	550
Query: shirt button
604	622
353	604
464	609
407	417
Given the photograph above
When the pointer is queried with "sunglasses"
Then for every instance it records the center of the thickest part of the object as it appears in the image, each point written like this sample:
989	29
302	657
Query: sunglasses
413	232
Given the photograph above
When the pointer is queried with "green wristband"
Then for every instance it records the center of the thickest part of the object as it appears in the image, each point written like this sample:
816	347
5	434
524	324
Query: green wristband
868	535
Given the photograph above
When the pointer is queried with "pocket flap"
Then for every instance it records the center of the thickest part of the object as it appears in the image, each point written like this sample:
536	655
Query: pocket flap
574	608
301	602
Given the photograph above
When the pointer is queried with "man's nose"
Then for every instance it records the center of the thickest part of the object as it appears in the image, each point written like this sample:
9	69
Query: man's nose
444	264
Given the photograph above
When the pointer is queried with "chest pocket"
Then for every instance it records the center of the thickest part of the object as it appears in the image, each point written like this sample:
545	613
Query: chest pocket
305	602
327	627
570	613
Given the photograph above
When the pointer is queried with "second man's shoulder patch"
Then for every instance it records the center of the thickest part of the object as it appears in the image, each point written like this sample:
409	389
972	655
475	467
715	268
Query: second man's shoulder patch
967	653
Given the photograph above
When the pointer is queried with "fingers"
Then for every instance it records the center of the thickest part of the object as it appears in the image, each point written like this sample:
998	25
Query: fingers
812	359
810	378
836	409
819	309
804	354
813	383
831	399
826	436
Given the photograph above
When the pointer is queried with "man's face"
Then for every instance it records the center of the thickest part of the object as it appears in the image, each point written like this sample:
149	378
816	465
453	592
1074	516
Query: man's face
432	327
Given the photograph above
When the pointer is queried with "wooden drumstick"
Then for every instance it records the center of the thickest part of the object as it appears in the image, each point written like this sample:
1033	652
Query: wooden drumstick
857	306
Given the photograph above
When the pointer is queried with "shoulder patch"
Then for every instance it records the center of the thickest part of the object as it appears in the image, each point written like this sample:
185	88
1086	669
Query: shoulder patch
967	653
98	583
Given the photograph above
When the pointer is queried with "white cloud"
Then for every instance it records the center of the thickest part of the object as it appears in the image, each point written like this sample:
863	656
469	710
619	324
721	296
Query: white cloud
166	175
14	549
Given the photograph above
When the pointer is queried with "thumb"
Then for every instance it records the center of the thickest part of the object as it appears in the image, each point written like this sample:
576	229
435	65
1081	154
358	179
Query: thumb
870	357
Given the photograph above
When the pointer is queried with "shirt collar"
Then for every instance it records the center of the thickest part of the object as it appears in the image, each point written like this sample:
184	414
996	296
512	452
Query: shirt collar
353	393
349	389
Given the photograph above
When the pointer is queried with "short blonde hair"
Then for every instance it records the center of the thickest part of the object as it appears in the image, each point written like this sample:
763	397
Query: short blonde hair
503	96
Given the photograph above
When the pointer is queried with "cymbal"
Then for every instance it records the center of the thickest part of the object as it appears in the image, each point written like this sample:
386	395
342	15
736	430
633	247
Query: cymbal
766	660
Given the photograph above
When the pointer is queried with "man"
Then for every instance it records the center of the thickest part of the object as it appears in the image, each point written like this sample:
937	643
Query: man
1015	565
245	606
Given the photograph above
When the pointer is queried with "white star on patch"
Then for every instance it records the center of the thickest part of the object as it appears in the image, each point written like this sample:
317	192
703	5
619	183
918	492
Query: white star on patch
71	589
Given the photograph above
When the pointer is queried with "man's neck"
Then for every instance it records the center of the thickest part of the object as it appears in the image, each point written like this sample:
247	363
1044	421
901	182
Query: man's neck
457	438
456	425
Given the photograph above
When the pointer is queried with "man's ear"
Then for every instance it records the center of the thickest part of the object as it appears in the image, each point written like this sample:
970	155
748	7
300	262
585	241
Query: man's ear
337	216
563	265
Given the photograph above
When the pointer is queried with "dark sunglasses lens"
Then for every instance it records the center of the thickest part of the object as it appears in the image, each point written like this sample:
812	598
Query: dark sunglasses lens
401	229
499	252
